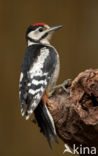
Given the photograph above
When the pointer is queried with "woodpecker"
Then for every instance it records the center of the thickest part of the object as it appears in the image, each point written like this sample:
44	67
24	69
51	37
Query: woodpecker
39	74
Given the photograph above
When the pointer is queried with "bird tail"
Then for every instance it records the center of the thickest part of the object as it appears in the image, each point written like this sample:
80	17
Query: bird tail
45	122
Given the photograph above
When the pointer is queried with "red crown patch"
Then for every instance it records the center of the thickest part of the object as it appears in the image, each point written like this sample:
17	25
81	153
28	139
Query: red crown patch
36	24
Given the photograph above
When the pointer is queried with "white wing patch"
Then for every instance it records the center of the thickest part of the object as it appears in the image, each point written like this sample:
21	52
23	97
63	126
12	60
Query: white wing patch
33	92
36	82
38	65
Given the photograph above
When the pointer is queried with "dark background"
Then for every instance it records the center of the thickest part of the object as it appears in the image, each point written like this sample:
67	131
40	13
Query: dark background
77	43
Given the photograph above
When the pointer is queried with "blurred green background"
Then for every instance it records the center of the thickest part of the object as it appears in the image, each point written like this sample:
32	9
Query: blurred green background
77	43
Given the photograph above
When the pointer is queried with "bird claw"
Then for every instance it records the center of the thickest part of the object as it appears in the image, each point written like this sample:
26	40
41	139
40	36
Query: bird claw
64	85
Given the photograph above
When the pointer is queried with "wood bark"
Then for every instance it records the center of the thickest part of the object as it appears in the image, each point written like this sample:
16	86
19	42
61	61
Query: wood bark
76	114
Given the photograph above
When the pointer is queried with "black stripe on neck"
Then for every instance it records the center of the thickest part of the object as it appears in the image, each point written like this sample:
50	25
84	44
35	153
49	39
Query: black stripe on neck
36	41
32	40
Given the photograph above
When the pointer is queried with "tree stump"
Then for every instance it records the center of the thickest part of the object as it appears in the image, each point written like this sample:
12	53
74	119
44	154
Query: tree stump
76	114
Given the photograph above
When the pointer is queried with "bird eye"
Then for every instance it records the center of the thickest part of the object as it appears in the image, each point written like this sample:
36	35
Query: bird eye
41	29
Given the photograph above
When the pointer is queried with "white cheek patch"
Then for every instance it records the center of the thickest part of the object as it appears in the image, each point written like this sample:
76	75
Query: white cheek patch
36	35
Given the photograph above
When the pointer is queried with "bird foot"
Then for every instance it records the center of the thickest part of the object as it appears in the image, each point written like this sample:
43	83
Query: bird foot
63	86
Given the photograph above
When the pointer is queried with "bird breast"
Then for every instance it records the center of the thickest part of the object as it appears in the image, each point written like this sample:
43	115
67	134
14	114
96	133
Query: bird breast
55	76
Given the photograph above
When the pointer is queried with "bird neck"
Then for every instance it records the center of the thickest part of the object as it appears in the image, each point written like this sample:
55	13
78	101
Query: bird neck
44	41
31	43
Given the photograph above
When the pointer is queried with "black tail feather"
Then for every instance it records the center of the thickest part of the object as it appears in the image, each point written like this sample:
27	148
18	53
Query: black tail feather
44	123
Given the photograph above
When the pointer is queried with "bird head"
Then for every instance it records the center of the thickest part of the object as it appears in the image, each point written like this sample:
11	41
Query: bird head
40	33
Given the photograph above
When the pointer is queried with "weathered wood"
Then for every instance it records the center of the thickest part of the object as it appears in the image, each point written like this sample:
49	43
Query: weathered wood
76	115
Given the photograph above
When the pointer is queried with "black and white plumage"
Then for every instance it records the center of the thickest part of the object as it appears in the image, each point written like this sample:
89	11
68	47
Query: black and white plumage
39	73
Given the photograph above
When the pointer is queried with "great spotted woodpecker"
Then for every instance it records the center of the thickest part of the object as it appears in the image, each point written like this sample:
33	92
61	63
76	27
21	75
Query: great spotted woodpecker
39	73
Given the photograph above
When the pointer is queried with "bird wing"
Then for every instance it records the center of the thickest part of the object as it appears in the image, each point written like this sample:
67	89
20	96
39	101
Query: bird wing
34	81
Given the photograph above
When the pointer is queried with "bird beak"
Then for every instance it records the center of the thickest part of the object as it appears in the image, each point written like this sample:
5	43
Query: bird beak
54	28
